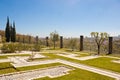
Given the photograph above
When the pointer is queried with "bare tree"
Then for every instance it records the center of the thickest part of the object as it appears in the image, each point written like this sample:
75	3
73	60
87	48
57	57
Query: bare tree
99	39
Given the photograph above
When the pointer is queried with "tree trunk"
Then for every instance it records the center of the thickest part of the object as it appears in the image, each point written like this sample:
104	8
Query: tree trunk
98	49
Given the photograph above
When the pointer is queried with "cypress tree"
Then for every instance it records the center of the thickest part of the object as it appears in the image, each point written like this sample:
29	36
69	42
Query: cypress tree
7	31
11	33
14	32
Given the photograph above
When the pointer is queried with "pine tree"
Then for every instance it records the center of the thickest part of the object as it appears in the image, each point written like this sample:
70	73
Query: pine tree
7	31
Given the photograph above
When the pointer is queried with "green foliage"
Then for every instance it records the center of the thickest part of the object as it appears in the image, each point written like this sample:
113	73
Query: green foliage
19	47
37	47
8	48
13	33
10	32
72	43
7	31
54	37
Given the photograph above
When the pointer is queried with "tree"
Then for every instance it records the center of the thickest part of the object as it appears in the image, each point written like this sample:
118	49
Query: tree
14	32
7	31
72	43
54	37
99	39
11	33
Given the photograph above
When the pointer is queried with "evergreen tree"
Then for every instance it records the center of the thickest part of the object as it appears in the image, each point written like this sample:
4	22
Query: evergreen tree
11	33
7	31
14	32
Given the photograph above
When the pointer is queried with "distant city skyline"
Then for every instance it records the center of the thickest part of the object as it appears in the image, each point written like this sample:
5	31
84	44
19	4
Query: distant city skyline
70	18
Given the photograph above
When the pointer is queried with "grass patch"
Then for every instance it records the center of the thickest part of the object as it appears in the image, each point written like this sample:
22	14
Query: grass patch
3	57
6	67
18	55
104	62
38	66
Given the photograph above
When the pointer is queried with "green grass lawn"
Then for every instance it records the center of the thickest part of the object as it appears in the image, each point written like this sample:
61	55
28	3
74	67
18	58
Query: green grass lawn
79	74
102	62
38	66
6	67
18	55
3	57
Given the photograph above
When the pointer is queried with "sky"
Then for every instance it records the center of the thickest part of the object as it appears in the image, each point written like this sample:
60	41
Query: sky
70	18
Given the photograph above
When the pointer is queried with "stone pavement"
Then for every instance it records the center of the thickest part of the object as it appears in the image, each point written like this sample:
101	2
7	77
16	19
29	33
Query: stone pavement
4	60
73	56
51	72
116	61
21	62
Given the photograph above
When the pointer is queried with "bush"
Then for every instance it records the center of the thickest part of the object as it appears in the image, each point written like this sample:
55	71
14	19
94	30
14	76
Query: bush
8	48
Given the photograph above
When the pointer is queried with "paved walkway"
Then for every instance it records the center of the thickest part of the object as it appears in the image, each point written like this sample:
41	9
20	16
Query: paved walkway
116	61
4	60
51	72
73	56
21	62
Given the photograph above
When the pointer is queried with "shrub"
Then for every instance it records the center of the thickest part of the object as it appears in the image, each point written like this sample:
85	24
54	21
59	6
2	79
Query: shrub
8	48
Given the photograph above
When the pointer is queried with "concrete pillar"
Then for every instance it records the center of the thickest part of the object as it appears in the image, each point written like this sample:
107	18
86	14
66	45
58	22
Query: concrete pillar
61	41
36	39
81	43
47	44
110	45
